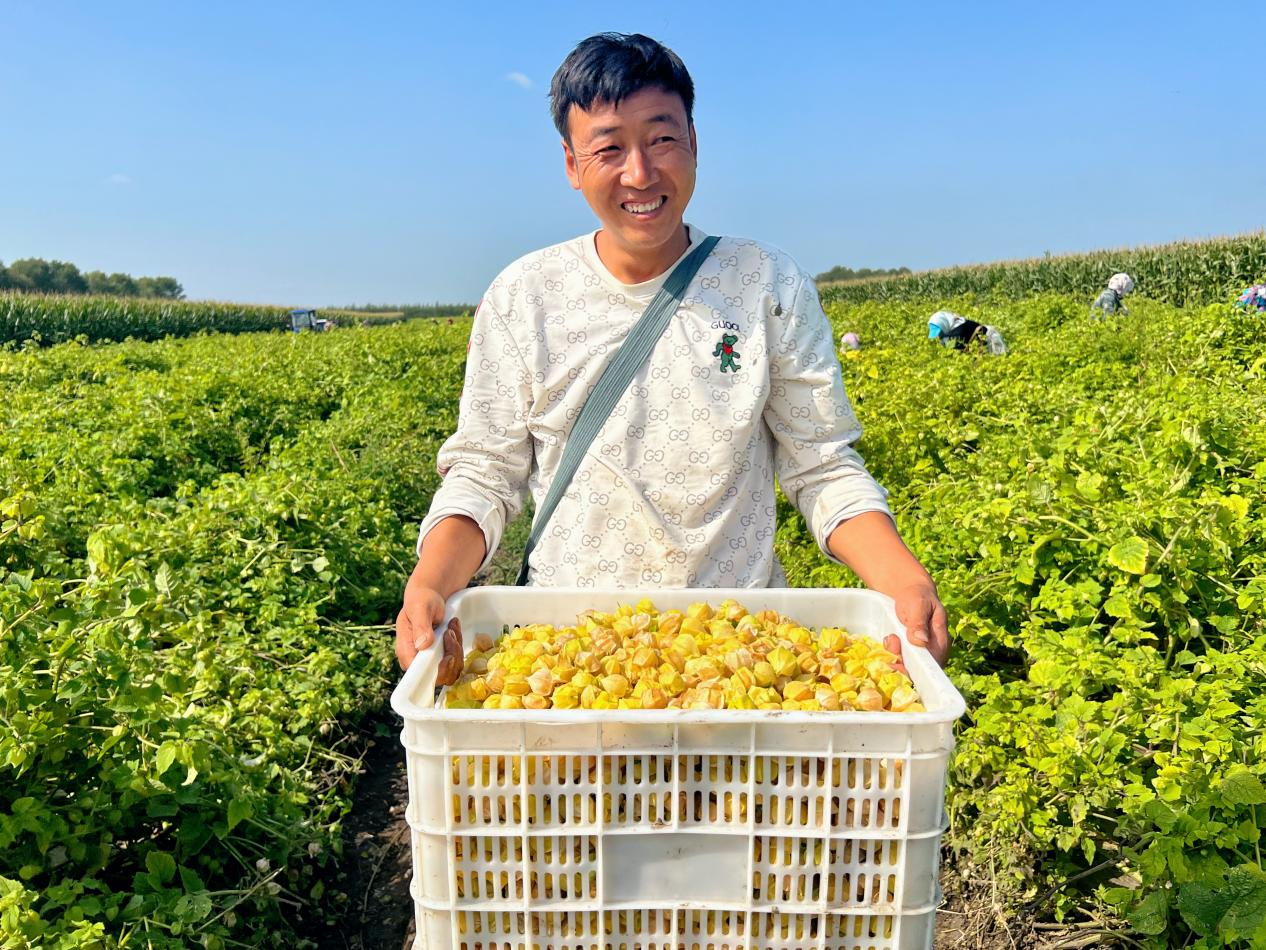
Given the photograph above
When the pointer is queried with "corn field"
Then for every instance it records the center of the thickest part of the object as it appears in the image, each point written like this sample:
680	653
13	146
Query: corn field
50	319
1181	274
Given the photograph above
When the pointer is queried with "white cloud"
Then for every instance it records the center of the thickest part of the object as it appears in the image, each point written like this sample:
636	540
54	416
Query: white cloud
118	178
519	80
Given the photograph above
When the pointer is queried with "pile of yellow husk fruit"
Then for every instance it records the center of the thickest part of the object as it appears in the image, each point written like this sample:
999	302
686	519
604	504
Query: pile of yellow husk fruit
703	658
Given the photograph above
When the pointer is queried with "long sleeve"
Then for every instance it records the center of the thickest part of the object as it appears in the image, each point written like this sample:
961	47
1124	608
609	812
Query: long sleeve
486	462
813	422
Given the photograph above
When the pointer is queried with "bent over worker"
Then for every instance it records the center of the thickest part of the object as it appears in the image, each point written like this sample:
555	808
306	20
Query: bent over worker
743	385
954	330
1252	300
1113	298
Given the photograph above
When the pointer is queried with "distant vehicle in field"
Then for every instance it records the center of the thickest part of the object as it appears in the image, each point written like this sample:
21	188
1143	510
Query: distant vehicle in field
301	320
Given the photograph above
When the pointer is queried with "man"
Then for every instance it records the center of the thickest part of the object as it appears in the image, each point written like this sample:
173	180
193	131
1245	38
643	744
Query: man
677	490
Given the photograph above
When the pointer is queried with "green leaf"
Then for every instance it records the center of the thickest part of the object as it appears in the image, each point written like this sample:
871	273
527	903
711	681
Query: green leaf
1129	555
1202	907
1236	504
1118	605
1151	916
166	756
162	579
161	866
239	810
1024	572
1088	485
193	907
1246	885
1118	896
193	835
1088	849
1242	787
98	552
23	805
1162	815
190	881
319	564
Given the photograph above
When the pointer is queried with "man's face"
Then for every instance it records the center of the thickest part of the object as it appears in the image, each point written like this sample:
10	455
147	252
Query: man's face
635	165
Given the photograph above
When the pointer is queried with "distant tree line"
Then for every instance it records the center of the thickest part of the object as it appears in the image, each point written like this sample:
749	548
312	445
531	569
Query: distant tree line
860	273
36	275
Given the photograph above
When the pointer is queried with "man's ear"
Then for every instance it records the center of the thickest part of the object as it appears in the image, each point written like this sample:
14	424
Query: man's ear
694	142
569	161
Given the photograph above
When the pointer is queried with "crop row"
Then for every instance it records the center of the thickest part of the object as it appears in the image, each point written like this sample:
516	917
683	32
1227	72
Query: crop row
95	432
56	318
47	319
1182	274
178	704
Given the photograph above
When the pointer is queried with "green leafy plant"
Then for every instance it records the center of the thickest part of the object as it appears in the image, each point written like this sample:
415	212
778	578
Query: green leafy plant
1092	508
182	673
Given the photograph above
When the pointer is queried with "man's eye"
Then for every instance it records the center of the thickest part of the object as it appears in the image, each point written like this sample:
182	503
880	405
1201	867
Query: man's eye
608	149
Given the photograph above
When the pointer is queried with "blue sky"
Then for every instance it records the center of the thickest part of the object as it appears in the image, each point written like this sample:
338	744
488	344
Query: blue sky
313	154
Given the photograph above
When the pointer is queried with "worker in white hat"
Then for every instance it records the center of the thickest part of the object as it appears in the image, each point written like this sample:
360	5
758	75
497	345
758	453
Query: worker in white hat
1113	298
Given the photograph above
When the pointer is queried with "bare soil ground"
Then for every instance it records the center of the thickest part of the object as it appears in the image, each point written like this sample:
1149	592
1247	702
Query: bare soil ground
376	858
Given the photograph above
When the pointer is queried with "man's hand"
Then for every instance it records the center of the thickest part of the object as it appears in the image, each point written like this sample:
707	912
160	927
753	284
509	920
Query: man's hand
451	553
921	612
423	610
414	636
870	545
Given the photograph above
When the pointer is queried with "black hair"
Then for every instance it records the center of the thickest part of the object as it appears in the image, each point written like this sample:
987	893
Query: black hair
610	67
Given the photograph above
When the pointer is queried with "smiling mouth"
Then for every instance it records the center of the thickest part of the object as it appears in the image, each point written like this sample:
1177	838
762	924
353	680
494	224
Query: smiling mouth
644	207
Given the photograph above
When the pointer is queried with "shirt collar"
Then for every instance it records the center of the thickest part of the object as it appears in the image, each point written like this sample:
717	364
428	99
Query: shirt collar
647	288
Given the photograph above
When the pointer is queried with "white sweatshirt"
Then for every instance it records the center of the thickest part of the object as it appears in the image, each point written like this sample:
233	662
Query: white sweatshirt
677	490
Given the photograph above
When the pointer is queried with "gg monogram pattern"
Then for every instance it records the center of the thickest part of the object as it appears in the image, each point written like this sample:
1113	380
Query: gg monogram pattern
677	490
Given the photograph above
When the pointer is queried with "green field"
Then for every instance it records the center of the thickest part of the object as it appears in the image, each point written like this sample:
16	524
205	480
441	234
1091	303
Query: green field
1091	506
201	541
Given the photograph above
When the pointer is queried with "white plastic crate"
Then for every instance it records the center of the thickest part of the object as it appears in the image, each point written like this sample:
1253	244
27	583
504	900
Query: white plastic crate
675	829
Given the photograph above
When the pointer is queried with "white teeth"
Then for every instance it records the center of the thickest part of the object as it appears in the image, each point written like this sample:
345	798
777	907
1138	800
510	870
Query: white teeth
643	208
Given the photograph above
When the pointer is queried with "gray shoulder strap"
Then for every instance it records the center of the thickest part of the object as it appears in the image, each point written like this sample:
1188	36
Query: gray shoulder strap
610	387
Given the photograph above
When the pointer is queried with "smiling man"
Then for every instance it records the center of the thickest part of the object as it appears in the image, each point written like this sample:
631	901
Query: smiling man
677	489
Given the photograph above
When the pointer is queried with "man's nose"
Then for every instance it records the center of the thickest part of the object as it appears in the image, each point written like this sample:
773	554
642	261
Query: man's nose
639	170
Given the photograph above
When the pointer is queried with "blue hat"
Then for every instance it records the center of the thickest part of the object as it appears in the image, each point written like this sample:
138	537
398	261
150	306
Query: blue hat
934	330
